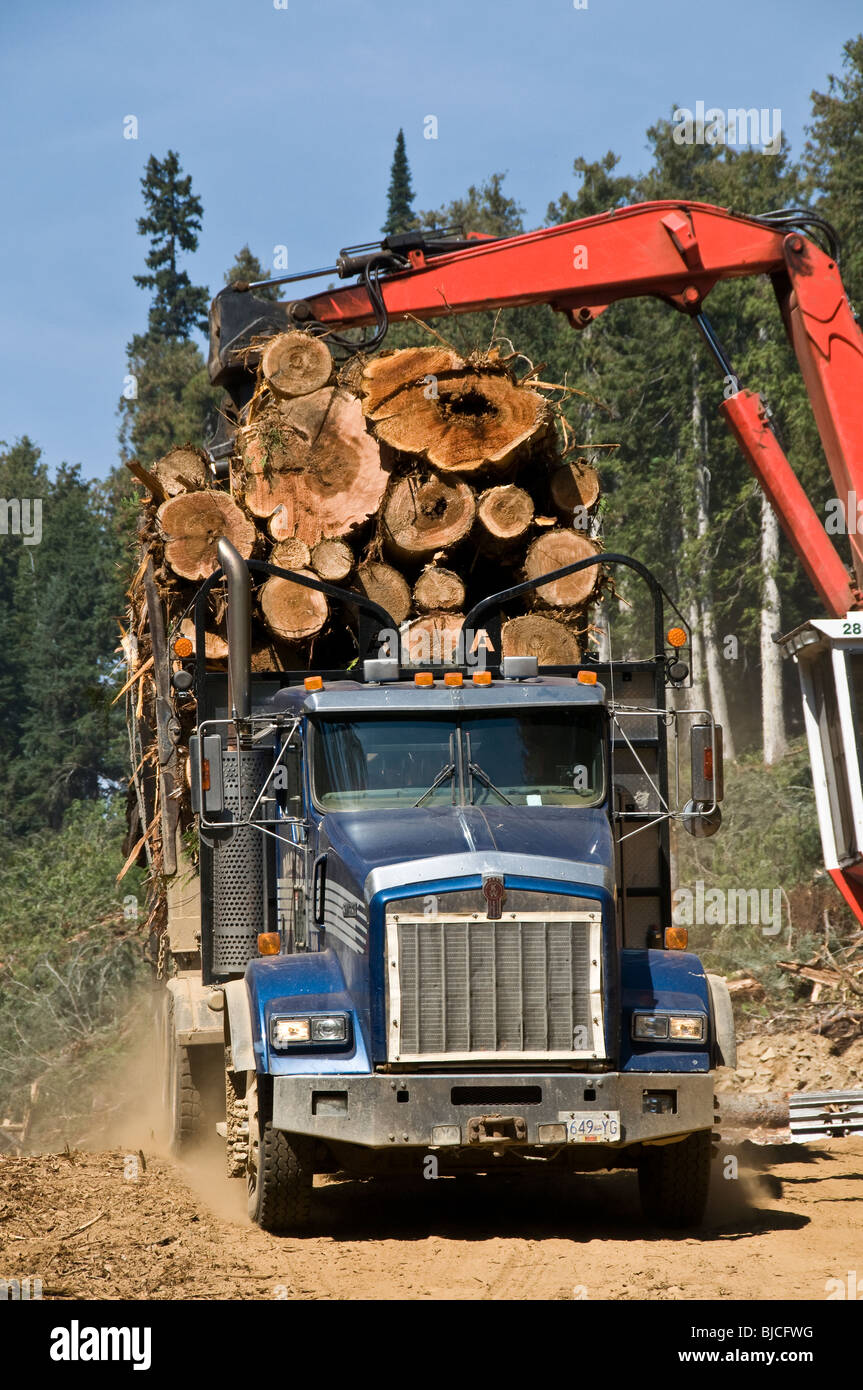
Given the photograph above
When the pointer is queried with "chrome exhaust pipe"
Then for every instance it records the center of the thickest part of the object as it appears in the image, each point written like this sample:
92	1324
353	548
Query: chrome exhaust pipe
239	622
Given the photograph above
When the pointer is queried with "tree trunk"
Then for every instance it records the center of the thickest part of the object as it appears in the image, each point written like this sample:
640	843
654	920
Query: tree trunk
295	364
438	588
463	418
774	739
291	611
555	550
193	523
424	514
384	585
505	515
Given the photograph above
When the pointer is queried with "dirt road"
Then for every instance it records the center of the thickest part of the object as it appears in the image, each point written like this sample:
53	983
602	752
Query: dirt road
101	1226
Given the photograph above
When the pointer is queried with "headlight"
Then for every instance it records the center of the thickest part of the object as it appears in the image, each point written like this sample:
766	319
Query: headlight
311	1028
675	1027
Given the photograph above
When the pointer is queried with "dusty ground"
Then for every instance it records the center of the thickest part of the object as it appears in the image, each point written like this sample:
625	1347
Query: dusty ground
103	1224
86	1226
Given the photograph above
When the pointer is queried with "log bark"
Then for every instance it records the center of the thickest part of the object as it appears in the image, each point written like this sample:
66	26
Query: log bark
463	418
332	560
425	514
432	640
574	485
296	364
384	585
505	515
192	523
292	554
312	468
555	550
291	611
548	639
438	588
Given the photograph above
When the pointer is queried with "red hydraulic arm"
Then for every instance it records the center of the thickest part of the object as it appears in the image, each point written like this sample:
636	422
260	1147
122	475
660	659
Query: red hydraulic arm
677	252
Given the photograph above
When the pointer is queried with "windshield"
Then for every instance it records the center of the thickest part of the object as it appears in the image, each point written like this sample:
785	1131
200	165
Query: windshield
537	757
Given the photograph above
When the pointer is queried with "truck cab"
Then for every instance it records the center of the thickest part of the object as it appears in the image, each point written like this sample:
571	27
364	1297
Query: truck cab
434	920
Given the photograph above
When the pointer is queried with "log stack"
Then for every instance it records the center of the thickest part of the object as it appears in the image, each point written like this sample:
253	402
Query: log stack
420	478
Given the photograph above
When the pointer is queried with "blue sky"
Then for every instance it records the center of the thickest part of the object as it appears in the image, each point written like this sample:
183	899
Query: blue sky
286	120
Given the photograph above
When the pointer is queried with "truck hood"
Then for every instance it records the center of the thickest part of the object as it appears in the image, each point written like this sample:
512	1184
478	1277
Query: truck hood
368	840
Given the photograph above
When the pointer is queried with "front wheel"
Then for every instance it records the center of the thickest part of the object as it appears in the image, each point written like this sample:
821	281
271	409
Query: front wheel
279	1169
673	1180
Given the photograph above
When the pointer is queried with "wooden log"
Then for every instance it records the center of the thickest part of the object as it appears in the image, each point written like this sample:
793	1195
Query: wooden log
548	639
312	468
432	640
555	550
291	611
574	484
438	588
464	418
292	554
425	514
384	585
215	647
296	364
182	470
504	515
192	523
332	560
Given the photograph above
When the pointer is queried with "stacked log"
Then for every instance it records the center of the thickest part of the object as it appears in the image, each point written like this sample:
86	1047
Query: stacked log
419	478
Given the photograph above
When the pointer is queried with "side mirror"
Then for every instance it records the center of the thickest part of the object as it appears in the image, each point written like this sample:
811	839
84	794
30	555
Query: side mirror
708	783
205	775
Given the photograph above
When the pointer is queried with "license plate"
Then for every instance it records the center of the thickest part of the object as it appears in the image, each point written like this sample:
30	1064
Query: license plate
592	1126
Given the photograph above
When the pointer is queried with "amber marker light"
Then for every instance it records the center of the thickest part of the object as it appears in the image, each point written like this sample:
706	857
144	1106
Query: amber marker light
183	647
313	683
587	677
269	943
453	678
482	677
676	637
676	938
423	678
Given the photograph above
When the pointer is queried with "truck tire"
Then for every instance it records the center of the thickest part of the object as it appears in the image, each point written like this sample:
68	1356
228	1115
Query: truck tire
280	1171
673	1180
180	1095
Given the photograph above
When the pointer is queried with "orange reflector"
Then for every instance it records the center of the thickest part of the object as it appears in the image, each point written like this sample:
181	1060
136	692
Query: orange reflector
183	647
205	774
423	678
313	683
453	678
676	938
587	677
708	764
676	637
269	943
482	677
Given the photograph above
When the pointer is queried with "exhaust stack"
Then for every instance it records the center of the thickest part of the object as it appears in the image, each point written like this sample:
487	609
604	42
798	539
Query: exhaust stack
239	629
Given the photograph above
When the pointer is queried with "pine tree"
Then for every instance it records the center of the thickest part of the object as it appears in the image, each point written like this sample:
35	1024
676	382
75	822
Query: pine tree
247	268
400	215
833	160
172	224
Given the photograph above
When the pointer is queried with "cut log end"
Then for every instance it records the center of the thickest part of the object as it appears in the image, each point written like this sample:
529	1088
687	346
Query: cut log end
291	611
504	514
548	639
291	554
296	364
432	640
193	523
555	550
574	485
438	588
332	560
425	515
385	586
182	470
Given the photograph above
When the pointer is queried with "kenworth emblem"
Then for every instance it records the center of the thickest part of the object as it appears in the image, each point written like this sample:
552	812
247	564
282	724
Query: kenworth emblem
494	894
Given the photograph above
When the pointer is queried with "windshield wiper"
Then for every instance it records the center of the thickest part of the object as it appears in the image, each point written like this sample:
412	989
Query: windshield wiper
447	771
474	770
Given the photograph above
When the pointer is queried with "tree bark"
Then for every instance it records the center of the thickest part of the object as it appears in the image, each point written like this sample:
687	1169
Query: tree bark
774	737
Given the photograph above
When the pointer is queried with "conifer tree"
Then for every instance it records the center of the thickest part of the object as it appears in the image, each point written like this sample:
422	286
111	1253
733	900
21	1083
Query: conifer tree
400	197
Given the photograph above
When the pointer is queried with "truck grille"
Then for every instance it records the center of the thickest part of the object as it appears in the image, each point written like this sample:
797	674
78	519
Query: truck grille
527	986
